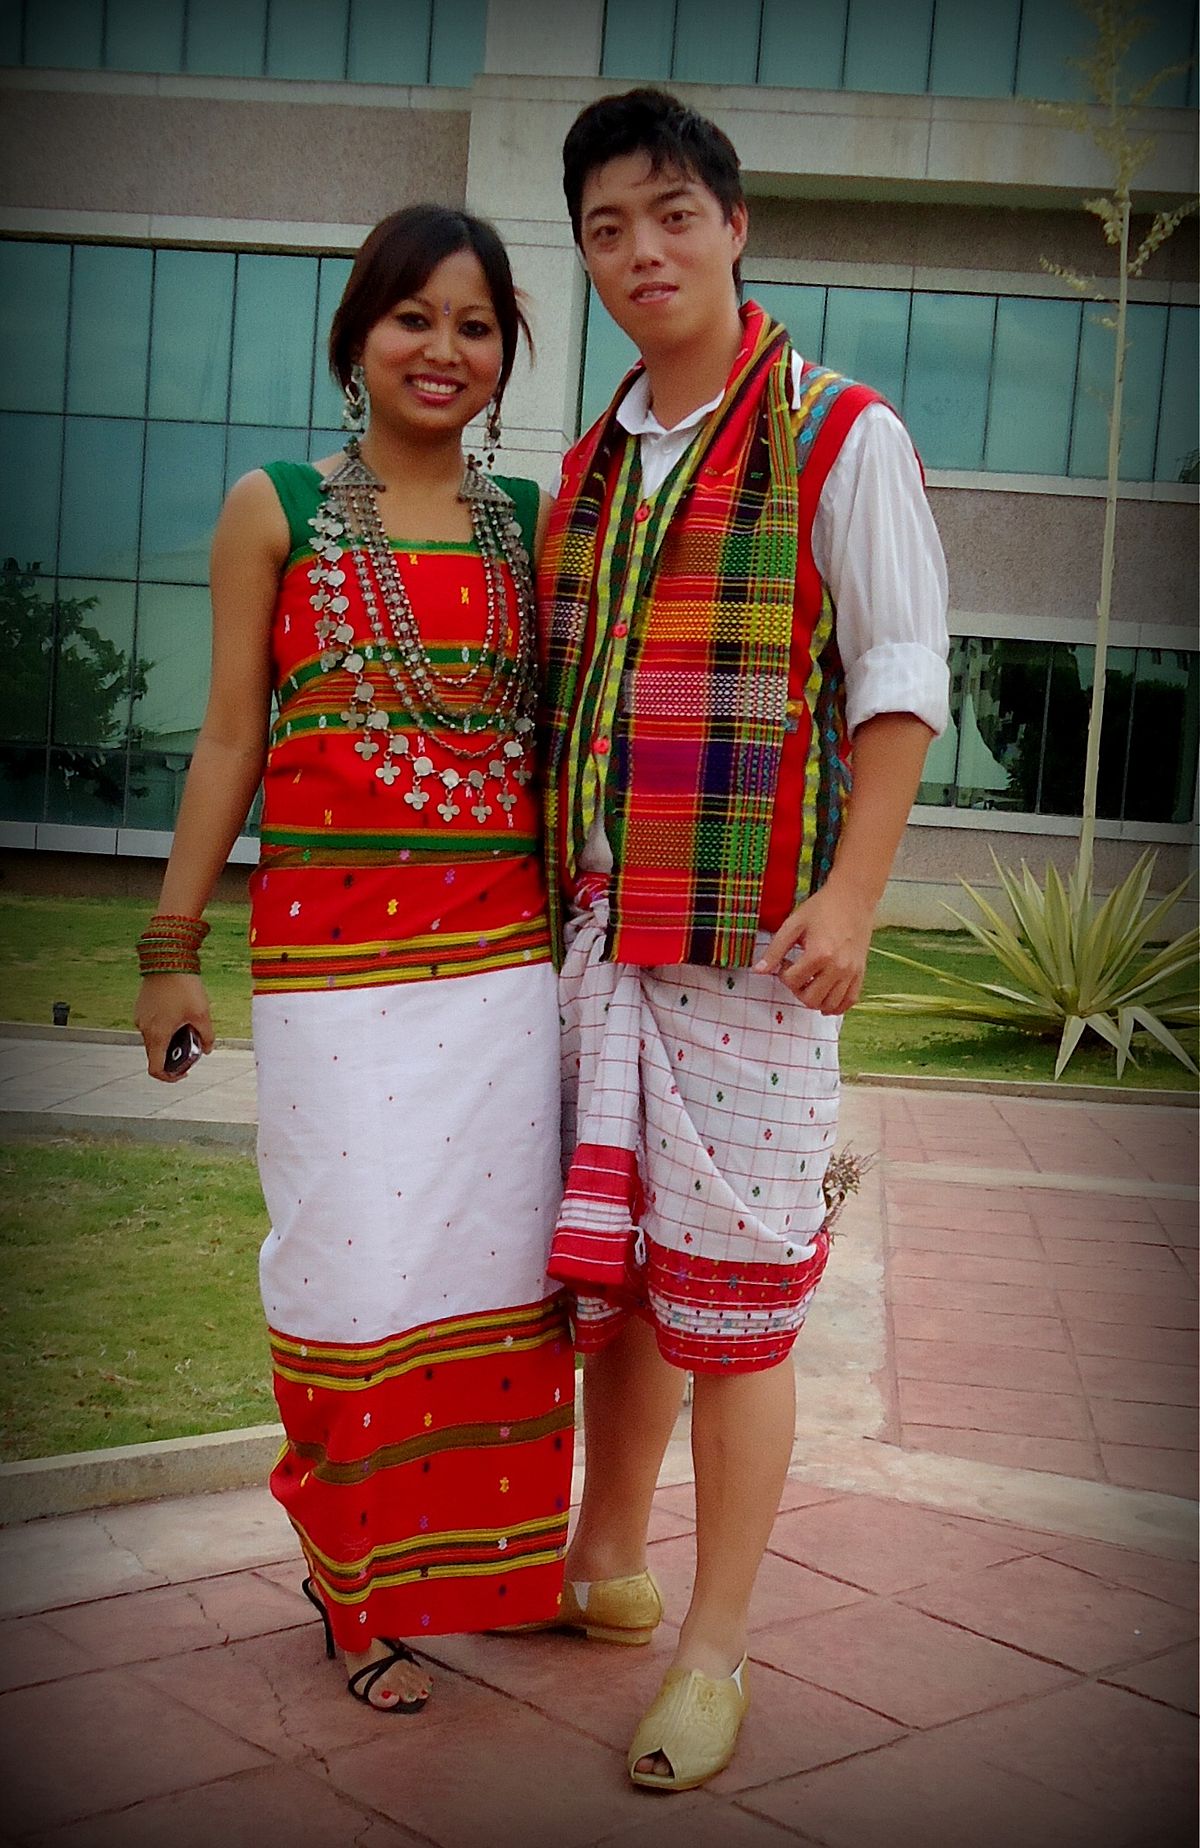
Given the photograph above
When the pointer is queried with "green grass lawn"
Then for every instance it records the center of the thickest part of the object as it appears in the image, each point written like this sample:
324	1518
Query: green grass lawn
129	1305
80	951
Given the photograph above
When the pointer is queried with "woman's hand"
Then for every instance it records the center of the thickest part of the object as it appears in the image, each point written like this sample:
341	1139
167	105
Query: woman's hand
164	1004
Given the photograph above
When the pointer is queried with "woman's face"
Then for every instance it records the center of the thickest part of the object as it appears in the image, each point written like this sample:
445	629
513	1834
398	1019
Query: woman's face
433	361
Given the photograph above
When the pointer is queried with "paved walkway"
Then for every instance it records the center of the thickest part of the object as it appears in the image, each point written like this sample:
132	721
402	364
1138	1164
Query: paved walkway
976	1623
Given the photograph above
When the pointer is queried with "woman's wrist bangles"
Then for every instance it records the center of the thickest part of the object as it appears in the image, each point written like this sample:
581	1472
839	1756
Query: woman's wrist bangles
171	945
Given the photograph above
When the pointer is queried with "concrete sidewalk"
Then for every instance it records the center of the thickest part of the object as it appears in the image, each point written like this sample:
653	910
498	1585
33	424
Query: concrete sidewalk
975	1625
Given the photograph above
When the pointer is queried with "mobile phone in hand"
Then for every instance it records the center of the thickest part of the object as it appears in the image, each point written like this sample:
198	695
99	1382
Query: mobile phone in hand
183	1051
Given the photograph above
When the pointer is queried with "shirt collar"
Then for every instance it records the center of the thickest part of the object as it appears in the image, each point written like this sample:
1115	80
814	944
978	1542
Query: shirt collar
635	416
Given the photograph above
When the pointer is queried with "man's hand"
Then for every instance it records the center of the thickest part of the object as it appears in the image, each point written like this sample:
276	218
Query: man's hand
832	931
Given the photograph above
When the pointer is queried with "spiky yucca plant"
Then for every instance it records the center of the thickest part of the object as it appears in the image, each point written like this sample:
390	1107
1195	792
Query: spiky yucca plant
1073	963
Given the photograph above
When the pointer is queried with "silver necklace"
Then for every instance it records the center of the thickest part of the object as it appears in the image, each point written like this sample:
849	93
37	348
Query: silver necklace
500	685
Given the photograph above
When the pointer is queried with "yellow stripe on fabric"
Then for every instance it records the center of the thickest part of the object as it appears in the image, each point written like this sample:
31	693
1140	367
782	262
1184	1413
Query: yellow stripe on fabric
400	972
584	776
523	1344
433	1444
390	1550
413	1338
504	1564
822	631
432	940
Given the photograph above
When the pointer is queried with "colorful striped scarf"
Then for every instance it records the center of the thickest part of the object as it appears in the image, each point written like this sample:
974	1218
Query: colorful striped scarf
692	618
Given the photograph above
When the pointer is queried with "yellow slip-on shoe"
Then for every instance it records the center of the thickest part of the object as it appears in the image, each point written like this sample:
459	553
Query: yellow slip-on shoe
694	1721
618	1610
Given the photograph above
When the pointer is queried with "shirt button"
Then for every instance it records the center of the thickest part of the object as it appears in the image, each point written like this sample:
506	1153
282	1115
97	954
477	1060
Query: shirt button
643	511
620	628
601	747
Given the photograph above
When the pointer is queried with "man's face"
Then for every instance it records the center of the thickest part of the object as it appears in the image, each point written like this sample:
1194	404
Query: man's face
659	250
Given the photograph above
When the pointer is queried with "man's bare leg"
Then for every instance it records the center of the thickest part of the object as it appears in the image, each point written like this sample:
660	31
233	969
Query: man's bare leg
742	1432
631	1399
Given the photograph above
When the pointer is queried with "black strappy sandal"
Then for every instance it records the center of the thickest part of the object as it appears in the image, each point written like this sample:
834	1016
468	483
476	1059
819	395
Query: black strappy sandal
364	1679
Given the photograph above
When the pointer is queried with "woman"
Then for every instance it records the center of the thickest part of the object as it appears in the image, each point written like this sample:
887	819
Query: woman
405	1022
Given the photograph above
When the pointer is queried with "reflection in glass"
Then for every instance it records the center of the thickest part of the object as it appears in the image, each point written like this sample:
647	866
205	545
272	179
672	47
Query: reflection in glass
193	322
1147	331
27	641
866	334
887	45
174	630
327	400
1178	434
143	35
456	43
85	787
1160	780
1033	381
273	327
638	38
102	486
64	35
22	782
1000	705
949	363
389	44
307	38
34	279
184	470
974	48
30	473
714	42
93	672
802	43
110	330
156	780
227	38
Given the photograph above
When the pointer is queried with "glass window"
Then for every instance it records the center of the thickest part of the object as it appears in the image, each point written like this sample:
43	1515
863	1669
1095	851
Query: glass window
803	43
639	38
1114	732
714	42
456	44
30	474
174	638
250	446
1052	34
1169	39
182	498
949	361
101	493
307	38
1160	779
273	326
64	35
1146	332
1176	458
1033	385
94	661
34	280
800	307
389	41
1001	724
10	32
155	787
144	35
866	336
190	346
608	355
227	38
22	783
27	637
974	48
887	45
110	330
327	400
85	787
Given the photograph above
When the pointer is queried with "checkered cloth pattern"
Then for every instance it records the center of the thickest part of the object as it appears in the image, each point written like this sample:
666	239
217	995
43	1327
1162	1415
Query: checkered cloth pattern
701	1106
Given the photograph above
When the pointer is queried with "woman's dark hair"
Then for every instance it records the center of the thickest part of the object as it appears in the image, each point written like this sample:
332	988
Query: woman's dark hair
655	123
398	259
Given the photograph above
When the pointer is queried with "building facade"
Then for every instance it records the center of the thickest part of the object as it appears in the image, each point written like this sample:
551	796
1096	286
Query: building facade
183	185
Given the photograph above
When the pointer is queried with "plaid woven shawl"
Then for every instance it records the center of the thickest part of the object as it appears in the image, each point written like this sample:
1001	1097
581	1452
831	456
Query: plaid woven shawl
692	752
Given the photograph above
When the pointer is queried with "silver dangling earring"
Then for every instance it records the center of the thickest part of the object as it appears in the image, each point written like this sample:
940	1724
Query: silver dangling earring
354	411
491	433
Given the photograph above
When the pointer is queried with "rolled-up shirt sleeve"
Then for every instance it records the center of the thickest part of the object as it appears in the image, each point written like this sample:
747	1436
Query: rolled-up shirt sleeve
877	548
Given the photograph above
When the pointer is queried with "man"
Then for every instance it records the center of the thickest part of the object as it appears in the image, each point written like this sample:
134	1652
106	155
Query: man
741	573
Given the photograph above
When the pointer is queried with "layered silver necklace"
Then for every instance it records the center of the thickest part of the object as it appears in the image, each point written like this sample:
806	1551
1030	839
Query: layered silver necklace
500	686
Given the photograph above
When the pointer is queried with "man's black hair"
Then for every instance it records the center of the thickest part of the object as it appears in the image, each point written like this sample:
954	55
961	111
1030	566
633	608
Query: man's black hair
655	123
